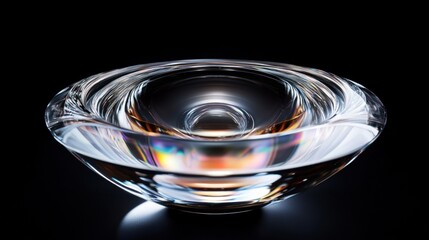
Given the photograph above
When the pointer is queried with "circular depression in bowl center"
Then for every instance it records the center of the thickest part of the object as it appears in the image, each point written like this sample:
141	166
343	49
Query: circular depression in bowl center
218	120
213	103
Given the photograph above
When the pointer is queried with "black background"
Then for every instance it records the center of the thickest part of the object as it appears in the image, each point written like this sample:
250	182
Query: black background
62	199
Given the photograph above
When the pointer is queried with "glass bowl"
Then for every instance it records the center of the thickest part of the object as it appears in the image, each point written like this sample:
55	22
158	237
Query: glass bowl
215	136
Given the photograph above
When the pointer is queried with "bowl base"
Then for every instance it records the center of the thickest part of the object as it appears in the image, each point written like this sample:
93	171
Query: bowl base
207	210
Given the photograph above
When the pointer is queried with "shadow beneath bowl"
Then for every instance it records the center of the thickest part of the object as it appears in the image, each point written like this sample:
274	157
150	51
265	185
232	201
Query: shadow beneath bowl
292	218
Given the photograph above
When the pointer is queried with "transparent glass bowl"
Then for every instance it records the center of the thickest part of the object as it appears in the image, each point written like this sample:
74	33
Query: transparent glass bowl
215	136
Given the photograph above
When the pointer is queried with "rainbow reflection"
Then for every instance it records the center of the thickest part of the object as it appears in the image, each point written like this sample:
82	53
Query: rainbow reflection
195	156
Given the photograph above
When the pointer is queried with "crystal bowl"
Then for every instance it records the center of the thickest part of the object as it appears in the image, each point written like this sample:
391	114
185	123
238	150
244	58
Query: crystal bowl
215	136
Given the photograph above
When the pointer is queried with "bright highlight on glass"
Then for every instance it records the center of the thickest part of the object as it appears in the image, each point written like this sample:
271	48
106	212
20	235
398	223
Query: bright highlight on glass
215	136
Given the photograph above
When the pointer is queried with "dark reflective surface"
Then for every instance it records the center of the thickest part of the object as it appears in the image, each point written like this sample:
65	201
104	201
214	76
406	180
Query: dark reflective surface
296	218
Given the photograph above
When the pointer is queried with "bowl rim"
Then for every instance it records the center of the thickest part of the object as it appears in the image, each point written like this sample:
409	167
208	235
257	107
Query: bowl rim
86	119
